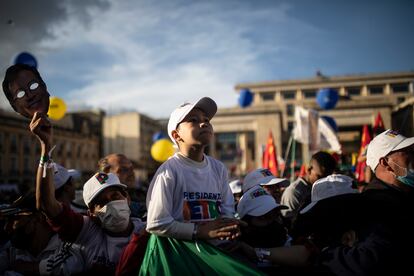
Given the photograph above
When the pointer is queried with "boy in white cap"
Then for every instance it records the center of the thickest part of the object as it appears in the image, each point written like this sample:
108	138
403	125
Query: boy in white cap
262	213
189	196
107	228
271	184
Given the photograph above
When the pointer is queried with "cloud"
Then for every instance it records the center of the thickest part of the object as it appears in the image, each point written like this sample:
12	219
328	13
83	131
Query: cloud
24	25
163	54
150	56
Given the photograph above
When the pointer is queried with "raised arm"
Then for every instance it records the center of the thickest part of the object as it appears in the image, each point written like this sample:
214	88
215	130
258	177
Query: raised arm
45	190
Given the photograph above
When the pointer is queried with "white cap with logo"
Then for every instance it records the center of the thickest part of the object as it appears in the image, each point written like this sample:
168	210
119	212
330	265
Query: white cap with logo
97	183
262	177
256	202
383	144
330	186
206	104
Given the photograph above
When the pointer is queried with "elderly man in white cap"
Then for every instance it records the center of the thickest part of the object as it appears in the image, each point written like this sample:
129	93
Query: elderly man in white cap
391	157
386	241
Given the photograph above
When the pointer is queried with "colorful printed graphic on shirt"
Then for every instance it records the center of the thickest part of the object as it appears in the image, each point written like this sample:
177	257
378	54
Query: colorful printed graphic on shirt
101	177
199	206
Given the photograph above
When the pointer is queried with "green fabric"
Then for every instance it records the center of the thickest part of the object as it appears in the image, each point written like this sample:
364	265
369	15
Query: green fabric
167	256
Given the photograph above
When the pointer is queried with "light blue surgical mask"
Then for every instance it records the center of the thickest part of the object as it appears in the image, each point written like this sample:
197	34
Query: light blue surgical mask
408	178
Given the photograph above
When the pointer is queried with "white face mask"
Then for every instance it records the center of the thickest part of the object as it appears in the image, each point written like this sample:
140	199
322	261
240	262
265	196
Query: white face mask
114	216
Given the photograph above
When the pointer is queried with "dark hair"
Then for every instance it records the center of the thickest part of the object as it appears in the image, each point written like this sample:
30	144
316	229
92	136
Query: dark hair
325	161
11	75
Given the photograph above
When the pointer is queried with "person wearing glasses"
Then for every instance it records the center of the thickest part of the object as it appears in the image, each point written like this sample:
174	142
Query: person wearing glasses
25	90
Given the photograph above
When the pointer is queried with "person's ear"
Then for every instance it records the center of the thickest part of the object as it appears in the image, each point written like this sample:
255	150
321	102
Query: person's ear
384	163
175	135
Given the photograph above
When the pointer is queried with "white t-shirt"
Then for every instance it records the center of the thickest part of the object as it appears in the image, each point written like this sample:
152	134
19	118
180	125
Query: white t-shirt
183	192
99	248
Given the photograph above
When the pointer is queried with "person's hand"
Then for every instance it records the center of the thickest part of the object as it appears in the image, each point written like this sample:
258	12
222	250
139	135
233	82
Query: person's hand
220	228
42	128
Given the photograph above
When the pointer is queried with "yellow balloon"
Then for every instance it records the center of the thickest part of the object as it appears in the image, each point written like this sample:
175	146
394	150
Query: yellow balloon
57	108
162	149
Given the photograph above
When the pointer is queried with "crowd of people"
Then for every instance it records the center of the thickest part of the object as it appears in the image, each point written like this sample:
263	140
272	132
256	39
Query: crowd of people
195	220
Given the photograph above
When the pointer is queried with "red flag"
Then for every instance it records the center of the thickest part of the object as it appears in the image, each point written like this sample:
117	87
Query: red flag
303	170
269	156
378	125
366	138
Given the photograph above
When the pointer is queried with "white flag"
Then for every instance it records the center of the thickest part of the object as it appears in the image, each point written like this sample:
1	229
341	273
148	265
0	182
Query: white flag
315	131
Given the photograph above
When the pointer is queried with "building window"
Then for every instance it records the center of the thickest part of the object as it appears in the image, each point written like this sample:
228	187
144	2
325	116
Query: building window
400	88
309	94
26	165
290	109
353	91
79	151
267	96
226	146
13	143
26	145
376	90
288	95
13	165
2	141
68	149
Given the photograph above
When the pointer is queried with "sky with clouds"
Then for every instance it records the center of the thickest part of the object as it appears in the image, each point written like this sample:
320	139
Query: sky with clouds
150	56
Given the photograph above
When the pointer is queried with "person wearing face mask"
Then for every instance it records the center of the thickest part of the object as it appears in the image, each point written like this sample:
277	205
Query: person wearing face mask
107	228
385	240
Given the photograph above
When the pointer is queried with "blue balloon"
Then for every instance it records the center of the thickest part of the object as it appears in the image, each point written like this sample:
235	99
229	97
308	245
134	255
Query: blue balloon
327	98
158	135
331	122
26	58
245	98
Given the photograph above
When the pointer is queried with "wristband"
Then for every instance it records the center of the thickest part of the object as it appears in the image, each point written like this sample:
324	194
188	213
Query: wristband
46	160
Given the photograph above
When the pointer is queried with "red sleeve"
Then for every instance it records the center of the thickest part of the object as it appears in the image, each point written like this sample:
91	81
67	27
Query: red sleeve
133	254
67	224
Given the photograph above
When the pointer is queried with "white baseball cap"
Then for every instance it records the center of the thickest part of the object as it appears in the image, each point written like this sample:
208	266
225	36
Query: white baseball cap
97	183
236	186
62	175
260	177
206	104
330	186
383	144
256	202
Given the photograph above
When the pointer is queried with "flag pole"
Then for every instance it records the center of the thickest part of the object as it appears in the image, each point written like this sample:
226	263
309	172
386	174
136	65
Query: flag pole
292	161
287	155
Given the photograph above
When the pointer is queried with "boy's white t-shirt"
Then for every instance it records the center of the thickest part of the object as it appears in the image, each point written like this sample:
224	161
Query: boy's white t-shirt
184	192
